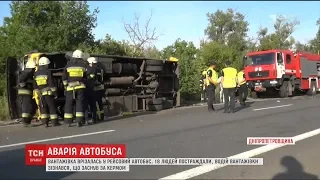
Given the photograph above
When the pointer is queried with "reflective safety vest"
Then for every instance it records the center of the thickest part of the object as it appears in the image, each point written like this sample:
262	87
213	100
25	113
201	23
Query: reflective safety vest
240	78
203	81
214	76
229	77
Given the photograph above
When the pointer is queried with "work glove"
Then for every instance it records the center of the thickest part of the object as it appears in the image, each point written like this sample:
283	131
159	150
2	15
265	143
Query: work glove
55	95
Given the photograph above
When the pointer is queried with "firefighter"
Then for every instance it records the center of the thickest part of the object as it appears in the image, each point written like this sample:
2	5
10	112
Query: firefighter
25	89
74	78
99	89
242	88
45	87
203	86
211	83
229	84
90	94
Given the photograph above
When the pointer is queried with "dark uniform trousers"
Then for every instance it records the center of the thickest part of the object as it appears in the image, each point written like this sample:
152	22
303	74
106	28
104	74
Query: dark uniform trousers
243	93
99	93
47	106
91	102
74	97
211	95
25	93
229	92
26	107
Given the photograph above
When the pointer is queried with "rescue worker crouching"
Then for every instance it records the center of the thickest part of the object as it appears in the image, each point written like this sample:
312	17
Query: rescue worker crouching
229	84
243	89
211	83
74	78
25	92
47	91
98	87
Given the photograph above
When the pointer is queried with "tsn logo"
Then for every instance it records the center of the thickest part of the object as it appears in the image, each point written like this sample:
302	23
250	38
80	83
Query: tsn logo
35	154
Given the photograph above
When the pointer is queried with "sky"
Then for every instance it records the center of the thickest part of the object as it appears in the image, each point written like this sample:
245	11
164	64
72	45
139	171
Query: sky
187	19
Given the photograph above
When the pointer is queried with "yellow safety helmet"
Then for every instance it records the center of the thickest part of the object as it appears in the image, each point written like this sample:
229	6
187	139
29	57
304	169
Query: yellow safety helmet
30	64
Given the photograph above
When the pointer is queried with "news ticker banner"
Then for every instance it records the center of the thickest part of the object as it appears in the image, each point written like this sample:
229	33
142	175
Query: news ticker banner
109	157
270	140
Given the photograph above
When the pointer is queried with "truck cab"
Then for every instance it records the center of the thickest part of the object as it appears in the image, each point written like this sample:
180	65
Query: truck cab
266	71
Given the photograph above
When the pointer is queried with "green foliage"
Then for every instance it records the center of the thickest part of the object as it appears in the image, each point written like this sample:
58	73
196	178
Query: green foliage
48	26
281	38
228	28
314	44
189	71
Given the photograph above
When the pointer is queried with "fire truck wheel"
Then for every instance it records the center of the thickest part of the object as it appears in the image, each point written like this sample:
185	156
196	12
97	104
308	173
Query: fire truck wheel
284	89
313	89
154	68
154	62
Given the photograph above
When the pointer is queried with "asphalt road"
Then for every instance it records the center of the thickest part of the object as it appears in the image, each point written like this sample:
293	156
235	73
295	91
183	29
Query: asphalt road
185	132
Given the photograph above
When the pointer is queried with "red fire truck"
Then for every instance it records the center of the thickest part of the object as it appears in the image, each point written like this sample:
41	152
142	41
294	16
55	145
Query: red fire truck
283	72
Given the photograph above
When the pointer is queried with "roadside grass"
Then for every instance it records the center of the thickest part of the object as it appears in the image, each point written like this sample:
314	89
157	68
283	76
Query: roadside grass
4	109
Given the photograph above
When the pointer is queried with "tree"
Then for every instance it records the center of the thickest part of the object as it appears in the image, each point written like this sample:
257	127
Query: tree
303	47
281	38
315	43
152	52
141	37
228	28
48	26
228	34
189	68
219	53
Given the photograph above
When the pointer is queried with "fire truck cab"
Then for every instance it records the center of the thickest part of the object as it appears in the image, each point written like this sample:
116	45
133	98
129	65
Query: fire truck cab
282	71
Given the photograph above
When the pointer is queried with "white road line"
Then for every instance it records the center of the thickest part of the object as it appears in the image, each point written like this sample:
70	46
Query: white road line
54	139
272	107
9	125
248	154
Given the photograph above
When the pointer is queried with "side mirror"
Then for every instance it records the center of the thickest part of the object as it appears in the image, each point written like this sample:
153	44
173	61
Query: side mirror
279	58
244	61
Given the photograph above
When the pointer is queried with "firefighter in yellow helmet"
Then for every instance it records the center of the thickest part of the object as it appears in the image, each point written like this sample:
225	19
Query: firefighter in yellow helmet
242	88
74	78
229	84
203	85
211	83
25	89
47	91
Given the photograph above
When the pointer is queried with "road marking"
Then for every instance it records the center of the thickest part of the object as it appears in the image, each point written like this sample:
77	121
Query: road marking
57	138
9	125
272	107
248	154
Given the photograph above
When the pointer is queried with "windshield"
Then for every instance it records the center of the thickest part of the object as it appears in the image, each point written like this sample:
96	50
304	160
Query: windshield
261	59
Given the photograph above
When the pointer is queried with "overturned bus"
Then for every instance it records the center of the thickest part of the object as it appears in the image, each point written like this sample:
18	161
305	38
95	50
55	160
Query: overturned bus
132	84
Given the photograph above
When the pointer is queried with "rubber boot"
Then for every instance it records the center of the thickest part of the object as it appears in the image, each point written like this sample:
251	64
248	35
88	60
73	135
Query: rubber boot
68	121
55	122
45	122
26	122
79	124
102	117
